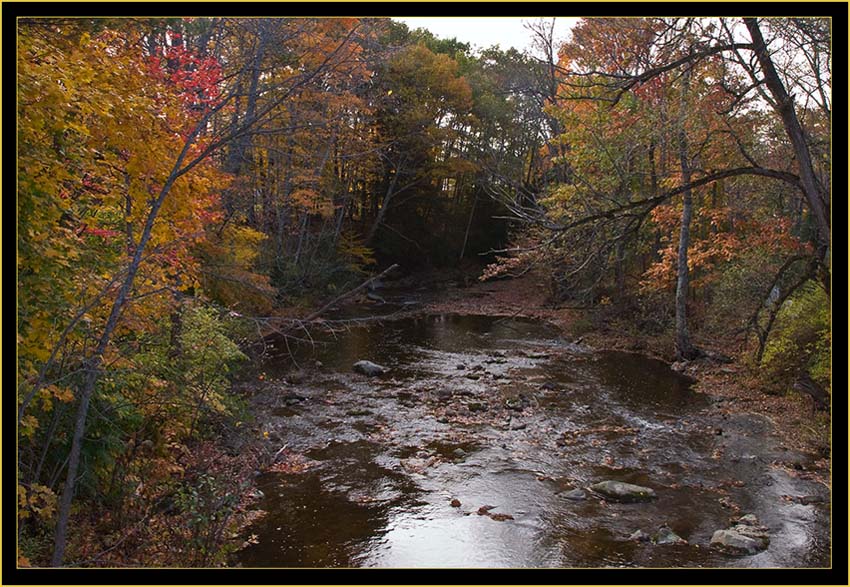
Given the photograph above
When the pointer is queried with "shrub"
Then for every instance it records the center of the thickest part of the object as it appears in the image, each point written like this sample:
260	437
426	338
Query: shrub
801	339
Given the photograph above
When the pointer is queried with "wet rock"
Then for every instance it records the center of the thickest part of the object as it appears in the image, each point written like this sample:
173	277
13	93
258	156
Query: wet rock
501	517
359	412
639	536
550	386
679	366
290	399
458	453
514	403
443	394
754	532
473	376
747	536
484	510
443	420
665	535
621	491
496	361
735	542
455	503
809	499
318	364
796	460
476	406
369	368
296	377
575	495
538	355
460	367
522	426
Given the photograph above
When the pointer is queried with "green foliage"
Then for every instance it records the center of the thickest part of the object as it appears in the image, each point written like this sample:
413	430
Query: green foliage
801	340
208	505
207	358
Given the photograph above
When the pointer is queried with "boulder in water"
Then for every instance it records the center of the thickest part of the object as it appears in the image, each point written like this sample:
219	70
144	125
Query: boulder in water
296	377
476	406
575	495
514	403
369	368
732	541
665	535
621	491
747	536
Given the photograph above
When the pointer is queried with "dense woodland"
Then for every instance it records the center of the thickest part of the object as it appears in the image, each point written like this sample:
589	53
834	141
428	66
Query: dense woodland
183	182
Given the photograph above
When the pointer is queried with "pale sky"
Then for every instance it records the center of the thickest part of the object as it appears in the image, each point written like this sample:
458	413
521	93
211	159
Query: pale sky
482	32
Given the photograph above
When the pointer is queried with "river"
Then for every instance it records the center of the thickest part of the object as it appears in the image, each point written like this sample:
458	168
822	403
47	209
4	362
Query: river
400	470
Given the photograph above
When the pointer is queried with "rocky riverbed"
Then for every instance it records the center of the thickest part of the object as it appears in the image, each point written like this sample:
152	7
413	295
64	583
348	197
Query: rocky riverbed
484	444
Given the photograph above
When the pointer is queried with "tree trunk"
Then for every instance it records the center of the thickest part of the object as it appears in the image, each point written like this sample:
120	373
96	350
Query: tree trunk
621	271
92	370
468	225
92	365
382	211
240	151
816	196
684	348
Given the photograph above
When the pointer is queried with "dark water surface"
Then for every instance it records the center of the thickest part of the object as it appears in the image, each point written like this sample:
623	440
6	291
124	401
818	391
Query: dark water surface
529	418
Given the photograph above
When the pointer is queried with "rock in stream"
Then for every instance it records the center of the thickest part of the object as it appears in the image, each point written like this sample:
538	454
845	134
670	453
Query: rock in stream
621	491
746	536
369	368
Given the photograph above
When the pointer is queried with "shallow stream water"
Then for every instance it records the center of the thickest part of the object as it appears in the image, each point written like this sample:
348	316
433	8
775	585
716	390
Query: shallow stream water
499	412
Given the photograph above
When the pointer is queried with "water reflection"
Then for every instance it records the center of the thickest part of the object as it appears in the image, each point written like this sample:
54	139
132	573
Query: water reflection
392	453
